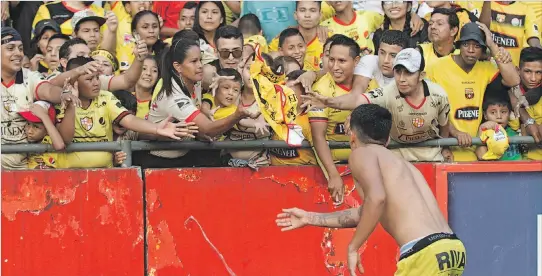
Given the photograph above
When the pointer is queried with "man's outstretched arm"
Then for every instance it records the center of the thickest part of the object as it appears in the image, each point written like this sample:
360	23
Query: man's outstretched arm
295	218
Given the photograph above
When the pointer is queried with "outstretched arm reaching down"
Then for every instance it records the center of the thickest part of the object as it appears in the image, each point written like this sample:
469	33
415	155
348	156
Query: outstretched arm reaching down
294	218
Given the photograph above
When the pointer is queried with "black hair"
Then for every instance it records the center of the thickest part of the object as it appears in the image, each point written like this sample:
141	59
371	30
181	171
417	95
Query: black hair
530	54
77	62
329	40
319	4
288	32
249	24
534	95
186	35
197	27
228	32
395	37
127	99
279	63
65	49
343	40
190	5
159	46
34	48
371	123
504	101
59	36
176	53
158	65
406	27
453	20
230	72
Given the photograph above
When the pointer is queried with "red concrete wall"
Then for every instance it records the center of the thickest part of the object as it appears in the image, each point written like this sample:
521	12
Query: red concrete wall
221	222
81	222
200	222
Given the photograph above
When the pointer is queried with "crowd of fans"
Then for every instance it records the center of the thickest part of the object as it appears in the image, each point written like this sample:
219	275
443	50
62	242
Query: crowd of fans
268	70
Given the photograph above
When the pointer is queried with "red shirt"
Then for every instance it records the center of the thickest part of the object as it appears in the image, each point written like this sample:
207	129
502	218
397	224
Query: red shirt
169	11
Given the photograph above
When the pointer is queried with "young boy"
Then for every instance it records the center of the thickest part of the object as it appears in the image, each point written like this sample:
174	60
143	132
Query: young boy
250	27
41	129
224	102
498	126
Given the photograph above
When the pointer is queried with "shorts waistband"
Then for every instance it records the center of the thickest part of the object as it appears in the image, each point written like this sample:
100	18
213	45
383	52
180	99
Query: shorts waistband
426	241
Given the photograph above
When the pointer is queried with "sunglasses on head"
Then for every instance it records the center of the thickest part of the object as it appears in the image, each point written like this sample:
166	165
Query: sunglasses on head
237	53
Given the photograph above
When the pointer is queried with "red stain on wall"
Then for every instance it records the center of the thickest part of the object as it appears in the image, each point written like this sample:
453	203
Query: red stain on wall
80	222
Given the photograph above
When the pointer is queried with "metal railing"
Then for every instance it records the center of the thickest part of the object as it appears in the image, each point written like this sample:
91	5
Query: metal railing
130	146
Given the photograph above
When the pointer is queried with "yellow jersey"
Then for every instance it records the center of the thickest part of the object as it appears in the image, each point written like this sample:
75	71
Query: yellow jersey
512	25
327	11
62	14
535	111
465	94
334	118
295	156
143	108
313	53
430	55
94	124
46	160
362	26
125	48
257	40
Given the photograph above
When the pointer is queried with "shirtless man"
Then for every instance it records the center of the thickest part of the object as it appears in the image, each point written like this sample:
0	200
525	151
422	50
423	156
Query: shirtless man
395	194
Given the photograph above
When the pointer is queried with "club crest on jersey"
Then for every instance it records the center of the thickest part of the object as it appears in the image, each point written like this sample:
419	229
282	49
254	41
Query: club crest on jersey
86	123
418	122
501	18
469	93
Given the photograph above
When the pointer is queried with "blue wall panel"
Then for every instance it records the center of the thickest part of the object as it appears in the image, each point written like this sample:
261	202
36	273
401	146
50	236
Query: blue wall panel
495	214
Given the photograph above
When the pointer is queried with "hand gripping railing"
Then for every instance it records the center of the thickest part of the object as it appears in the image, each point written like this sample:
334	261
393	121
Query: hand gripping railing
129	146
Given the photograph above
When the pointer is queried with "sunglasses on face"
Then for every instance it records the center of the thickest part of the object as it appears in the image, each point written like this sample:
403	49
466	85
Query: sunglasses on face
224	54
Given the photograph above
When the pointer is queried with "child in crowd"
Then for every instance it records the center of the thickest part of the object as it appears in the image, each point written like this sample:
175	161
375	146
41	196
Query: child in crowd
226	90
41	129
250	27
500	124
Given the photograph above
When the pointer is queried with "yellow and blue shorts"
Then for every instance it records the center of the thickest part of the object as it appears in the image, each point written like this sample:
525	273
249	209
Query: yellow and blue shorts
435	255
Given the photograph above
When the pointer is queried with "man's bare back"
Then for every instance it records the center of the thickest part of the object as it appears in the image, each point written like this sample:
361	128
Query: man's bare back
411	211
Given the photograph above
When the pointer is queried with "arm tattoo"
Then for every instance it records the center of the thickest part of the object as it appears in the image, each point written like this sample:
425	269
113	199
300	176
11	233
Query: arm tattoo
341	219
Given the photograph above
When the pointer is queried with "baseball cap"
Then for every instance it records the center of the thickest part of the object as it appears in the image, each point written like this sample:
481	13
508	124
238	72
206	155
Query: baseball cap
29	116
9	34
42	25
411	59
86	15
471	31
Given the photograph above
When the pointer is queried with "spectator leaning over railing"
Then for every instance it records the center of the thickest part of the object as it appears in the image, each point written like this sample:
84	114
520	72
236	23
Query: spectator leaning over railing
94	119
182	72
20	87
419	107
327	124
465	78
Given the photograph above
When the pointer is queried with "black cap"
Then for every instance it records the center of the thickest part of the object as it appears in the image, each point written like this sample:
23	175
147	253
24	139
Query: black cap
471	31
42	25
9	34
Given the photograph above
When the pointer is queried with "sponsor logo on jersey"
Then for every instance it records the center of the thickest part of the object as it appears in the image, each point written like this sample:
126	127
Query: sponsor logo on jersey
414	138
500	18
467	113
418	122
469	93
505	40
86	123
514	20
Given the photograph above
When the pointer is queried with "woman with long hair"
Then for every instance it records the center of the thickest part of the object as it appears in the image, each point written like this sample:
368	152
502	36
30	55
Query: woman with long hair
182	72
210	15
146	84
397	16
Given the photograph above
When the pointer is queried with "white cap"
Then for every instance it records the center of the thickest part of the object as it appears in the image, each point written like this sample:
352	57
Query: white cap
410	58
86	15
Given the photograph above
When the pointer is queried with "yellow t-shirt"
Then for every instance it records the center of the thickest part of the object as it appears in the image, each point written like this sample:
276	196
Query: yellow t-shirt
95	124
512	25
362	26
142	109
60	8
295	156
230	15
333	117
430	56
465	94
535	111
125	47
257	39
46	160
327	11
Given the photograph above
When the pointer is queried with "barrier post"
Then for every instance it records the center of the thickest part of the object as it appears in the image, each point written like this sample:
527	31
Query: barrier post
126	147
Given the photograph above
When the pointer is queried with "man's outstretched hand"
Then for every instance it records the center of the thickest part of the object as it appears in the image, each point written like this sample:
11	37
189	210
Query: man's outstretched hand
292	218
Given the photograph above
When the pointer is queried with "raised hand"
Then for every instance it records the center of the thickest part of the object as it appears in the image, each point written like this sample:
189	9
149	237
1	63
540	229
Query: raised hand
89	68
140	49
216	81
314	100
292	218
70	94
111	21
35	62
